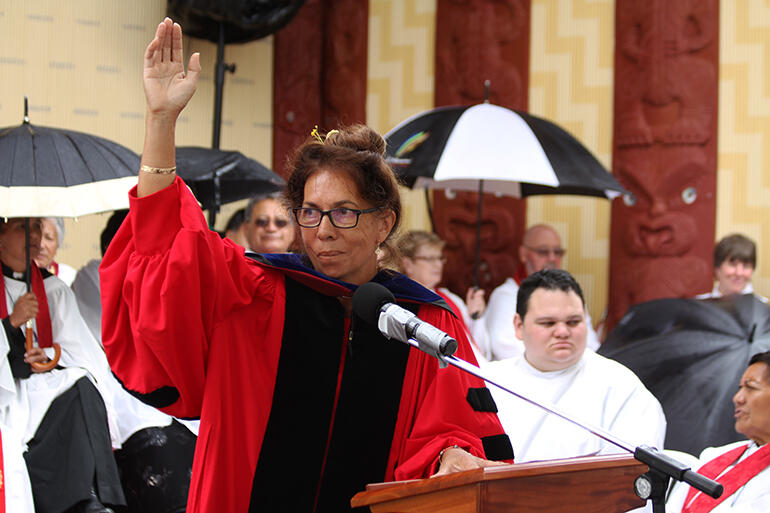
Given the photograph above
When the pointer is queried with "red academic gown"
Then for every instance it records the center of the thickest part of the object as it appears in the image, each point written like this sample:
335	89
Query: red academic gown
195	328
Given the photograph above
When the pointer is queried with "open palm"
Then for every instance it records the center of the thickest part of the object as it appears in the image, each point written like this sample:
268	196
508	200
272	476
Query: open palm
166	86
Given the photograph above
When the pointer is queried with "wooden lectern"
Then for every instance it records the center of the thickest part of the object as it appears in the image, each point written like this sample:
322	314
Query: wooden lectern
601	484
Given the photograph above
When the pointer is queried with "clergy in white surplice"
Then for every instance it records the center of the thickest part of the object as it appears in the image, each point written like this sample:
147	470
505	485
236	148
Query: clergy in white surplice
556	370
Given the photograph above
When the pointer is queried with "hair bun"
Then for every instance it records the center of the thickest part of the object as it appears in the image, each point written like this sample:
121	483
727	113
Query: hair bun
358	138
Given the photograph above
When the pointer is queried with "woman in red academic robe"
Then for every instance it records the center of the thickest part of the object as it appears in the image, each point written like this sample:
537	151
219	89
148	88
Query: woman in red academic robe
301	402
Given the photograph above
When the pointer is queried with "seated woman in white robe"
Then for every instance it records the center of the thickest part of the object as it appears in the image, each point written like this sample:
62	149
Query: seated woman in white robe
743	468
63	415
556	370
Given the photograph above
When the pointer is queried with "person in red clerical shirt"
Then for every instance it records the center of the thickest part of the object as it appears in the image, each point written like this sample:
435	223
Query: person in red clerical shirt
743	468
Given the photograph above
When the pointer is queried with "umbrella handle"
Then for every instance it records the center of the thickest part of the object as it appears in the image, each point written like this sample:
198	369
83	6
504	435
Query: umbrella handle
38	365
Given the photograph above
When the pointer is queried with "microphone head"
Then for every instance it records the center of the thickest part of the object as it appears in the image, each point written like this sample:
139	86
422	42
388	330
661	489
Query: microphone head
368	300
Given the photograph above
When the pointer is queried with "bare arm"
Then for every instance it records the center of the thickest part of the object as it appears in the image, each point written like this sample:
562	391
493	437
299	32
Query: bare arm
167	90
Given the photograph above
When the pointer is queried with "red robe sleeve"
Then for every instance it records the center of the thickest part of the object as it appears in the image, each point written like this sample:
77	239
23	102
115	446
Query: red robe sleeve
166	283
434	412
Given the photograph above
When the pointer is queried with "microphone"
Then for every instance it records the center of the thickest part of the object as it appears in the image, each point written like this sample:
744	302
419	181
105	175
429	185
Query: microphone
376	305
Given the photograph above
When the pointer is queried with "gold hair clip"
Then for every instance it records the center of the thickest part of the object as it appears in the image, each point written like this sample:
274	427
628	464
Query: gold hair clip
317	135
314	133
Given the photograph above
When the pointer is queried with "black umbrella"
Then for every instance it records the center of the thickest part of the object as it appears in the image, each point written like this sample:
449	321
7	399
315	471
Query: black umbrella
217	177
691	354
488	148
54	172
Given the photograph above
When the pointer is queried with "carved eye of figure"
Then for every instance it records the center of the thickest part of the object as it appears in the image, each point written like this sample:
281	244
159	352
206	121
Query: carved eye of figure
629	199
689	195
450	194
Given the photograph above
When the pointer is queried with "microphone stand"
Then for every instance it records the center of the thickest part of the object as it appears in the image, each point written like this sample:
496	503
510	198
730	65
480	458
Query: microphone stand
651	485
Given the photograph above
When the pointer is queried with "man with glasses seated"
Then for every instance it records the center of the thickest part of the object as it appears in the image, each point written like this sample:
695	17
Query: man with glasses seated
268	225
540	249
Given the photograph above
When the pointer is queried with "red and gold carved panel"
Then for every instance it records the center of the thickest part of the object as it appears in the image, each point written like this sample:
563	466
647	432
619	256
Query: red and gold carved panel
664	151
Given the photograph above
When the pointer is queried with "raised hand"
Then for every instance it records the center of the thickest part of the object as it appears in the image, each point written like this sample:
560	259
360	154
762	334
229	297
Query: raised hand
167	87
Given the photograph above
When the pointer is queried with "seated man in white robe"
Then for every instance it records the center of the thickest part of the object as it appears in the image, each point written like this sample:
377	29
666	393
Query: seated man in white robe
743	468
556	370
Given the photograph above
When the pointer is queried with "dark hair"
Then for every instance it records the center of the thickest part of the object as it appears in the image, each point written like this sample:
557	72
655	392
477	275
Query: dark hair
357	149
549	279
277	196
236	220
762	358
735	247
113	223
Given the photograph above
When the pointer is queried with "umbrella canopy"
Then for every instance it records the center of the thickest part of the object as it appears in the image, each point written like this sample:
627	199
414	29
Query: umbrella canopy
515	153
691	354
217	177
56	172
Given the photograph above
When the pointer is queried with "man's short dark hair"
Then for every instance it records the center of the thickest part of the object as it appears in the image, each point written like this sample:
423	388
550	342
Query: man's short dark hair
735	247
762	358
548	279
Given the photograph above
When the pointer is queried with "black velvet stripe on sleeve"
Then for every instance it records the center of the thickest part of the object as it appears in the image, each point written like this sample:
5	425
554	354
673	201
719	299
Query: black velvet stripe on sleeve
481	399
160	398
497	447
19	368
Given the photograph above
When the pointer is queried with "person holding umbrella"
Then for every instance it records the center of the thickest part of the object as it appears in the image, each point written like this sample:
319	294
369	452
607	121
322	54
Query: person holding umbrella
422	260
67	423
742	467
301	403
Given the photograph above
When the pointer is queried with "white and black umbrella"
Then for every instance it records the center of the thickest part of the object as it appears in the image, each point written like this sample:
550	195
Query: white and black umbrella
54	172
514	153
488	148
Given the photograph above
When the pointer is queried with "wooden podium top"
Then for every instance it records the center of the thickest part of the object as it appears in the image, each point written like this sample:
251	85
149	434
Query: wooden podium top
600	483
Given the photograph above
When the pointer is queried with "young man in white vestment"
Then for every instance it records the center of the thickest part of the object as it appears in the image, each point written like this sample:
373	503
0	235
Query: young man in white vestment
743	468
556	369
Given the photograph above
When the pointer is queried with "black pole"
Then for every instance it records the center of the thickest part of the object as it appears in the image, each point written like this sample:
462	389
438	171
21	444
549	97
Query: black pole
27	252
219	85
477	258
430	210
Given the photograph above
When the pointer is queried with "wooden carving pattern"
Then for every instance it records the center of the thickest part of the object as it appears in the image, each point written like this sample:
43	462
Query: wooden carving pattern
664	151
478	40
296	81
319	72
344	80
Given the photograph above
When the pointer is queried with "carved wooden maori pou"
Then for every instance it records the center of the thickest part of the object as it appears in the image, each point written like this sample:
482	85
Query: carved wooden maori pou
319	75
664	151
478	40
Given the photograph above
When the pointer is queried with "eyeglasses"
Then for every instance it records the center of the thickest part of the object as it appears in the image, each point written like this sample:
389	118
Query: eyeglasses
544	252
264	222
340	217
431	259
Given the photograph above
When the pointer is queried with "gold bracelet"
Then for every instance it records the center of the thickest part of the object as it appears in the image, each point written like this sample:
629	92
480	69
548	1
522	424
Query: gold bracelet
158	170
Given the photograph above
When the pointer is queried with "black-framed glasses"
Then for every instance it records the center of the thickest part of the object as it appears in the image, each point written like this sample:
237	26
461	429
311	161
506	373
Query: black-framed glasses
341	217
264	222
544	252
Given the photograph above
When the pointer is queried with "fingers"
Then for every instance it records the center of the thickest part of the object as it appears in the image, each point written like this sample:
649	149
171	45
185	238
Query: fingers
176	43
194	67
166	40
